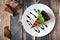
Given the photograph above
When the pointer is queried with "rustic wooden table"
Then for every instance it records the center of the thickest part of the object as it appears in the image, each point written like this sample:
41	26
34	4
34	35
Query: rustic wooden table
18	32
21	34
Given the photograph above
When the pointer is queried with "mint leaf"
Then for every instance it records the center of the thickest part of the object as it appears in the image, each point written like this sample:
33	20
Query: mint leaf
40	16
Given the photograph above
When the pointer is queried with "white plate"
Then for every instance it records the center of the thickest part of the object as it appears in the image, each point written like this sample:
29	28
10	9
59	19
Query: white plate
49	23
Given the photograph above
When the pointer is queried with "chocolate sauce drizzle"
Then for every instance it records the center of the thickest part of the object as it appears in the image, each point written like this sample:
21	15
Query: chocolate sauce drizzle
33	28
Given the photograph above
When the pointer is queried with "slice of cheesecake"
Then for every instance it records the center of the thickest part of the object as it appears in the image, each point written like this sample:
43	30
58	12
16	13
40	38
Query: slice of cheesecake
36	23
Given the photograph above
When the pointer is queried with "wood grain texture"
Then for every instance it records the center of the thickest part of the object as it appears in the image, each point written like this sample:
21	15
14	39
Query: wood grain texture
5	20
58	25
54	6
27	3
1	28
54	35
18	32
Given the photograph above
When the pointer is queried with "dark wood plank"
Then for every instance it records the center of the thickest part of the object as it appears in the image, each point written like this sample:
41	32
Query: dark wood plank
45	37
16	26
27	3
58	32
54	34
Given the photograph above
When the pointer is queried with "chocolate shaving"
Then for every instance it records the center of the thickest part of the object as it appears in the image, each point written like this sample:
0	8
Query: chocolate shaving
45	15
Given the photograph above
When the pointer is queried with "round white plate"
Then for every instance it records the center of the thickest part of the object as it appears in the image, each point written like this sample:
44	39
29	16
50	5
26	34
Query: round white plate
49	23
